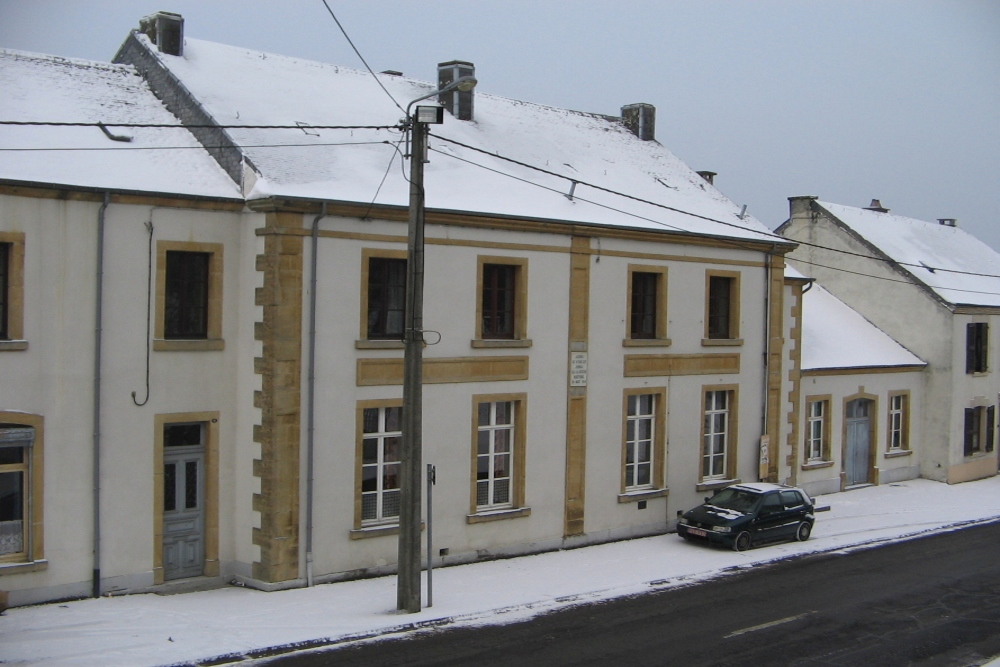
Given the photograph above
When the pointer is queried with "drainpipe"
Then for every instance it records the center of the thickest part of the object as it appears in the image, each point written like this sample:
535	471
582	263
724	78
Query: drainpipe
767	356
311	398
98	335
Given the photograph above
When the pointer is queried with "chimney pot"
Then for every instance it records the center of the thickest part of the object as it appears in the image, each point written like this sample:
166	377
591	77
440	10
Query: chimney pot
876	205
166	30
948	222
708	176
640	119
458	103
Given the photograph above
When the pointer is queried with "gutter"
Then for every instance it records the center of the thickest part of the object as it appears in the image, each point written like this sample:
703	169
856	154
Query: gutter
311	395
98	338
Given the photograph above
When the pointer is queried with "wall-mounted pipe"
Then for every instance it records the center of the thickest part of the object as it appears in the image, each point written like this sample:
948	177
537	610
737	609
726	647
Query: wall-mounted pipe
311	394
98	336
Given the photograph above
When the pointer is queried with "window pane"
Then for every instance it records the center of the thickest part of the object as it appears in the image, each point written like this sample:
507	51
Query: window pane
505	413
369	450
484	414
11	455
501	492
390	477
4	289
185	313
482	467
390	504
393	449
182	435
501	441
386	297
191	485
11	512
498	300
483	442
642	474
643	323
393	419
369	478
501	466
169	487
719	306
370	420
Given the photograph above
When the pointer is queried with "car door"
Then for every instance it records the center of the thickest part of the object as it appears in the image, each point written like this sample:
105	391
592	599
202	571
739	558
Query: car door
770	519
795	511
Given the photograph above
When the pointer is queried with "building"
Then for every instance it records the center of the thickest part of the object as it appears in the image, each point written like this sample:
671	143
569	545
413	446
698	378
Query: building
603	326
854	393
934	288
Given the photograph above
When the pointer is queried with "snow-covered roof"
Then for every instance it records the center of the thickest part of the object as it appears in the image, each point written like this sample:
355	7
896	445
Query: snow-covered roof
957	266
47	88
237	86
836	336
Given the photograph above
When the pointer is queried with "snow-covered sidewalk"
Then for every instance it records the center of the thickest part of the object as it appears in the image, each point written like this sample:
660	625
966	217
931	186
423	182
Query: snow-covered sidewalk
138	630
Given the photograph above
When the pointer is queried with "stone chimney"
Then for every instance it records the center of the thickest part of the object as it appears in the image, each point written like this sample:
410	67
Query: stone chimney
459	104
166	30
948	222
876	205
640	119
708	176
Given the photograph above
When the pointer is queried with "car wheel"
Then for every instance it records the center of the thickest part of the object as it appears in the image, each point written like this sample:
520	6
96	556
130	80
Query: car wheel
803	532
742	541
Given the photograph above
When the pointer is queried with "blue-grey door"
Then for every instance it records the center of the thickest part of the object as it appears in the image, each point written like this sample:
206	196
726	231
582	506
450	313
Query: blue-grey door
183	501
856	457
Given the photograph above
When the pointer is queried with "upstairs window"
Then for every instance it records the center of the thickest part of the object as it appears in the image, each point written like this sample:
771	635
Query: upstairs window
499	297
185	312
722	312
644	304
386	298
977	347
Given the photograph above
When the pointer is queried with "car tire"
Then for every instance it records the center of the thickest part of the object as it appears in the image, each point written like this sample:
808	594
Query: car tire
803	532
742	542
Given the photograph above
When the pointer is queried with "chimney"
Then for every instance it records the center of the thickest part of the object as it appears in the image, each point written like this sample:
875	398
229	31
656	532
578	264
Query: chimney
166	30
459	104
948	222
640	119
876	205
708	176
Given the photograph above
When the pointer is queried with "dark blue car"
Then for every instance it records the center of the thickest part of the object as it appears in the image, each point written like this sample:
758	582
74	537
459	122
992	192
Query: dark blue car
746	515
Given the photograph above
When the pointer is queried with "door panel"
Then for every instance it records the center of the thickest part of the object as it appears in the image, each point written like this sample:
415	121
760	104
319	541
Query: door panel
858	449
183	512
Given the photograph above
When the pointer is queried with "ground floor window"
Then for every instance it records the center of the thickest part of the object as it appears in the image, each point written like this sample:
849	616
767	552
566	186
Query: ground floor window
16	454
494	455
717	435
640	430
381	451
899	419
980	424
816	421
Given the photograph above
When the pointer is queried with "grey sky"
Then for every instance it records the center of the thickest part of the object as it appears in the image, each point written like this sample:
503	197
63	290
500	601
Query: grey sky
847	100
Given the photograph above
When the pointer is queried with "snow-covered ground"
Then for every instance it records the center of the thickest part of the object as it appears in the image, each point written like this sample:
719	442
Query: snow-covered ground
141	630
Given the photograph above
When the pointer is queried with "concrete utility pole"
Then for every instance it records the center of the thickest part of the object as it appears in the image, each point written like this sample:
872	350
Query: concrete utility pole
408	587
408	576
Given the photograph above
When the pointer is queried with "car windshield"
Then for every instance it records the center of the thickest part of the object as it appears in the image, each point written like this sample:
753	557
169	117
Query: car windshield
740	500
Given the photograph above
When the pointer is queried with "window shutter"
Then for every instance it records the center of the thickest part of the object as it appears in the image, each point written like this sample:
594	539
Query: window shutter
991	414
970	425
970	358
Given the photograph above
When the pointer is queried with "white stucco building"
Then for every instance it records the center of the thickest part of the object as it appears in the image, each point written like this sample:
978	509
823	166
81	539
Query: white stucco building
934	288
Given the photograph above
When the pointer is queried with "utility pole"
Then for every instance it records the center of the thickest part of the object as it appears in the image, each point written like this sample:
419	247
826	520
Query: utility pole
408	587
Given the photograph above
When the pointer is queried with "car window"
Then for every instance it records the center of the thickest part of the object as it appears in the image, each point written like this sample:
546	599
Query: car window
791	499
740	500
771	503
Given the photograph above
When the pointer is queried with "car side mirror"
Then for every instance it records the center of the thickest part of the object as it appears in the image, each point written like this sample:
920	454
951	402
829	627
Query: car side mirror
707	499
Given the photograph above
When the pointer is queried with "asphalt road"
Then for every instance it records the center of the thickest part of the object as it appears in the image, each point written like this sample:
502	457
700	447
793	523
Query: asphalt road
931	602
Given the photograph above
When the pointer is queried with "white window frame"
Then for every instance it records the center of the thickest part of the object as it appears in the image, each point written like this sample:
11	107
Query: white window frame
381	435
640	429
897	423
713	434
816	430
487	451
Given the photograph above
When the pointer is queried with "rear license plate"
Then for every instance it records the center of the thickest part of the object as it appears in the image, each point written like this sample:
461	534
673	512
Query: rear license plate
695	531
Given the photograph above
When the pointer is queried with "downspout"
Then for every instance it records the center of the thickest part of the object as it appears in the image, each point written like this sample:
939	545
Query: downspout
311	398
98	335
767	356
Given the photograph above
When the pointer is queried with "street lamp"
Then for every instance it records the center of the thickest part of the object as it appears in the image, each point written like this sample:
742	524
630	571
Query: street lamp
408	576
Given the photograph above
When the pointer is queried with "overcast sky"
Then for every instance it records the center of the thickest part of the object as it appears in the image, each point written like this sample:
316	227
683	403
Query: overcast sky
847	100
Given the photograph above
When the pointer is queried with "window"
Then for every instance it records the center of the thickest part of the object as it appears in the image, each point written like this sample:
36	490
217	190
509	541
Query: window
4	290
980	425
185	311
817	433
381	450
189	296
20	491
501	302
899	422
647	305
722	313
976	347
386	298
718	455
498	457
12	291
494	443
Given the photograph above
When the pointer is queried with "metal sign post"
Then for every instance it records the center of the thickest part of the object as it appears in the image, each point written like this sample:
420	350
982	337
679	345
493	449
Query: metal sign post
431	481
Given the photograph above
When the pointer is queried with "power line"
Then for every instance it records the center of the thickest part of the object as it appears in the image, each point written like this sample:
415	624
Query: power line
195	126
198	147
349	41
